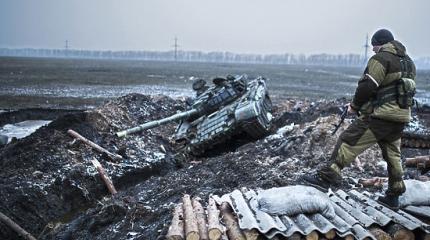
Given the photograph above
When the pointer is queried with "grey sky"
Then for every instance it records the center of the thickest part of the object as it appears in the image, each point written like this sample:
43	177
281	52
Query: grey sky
242	26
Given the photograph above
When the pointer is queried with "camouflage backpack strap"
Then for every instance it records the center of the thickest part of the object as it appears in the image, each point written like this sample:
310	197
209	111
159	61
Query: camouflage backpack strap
386	94
406	88
407	67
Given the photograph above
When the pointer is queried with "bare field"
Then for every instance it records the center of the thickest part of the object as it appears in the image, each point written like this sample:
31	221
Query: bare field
49	186
83	83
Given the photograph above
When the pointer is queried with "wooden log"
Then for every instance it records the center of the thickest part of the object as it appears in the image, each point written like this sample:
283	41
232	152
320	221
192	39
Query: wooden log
10	223
96	147
277	238
191	227
398	232
413	161
380	234
176	229
349	237
252	234
295	236
330	234
214	227
423	178
104	176
201	219
419	162
233	230
312	236
373	182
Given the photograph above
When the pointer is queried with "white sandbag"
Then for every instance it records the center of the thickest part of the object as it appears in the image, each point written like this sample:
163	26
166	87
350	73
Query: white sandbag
417	193
293	200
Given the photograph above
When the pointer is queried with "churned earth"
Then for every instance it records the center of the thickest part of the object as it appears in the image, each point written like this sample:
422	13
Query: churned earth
49	186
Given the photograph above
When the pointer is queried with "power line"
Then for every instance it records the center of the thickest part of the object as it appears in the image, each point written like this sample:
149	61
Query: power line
366	47
176	48
66	47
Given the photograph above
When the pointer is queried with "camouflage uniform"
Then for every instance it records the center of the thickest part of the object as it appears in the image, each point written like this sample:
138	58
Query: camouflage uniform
381	121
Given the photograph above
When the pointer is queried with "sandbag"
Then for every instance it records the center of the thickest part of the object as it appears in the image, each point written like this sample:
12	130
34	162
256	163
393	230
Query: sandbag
293	200
417	193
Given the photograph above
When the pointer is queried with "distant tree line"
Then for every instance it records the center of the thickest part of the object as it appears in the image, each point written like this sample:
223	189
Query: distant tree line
350	60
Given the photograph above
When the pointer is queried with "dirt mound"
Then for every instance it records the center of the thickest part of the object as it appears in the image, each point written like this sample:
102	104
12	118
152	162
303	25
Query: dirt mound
47	179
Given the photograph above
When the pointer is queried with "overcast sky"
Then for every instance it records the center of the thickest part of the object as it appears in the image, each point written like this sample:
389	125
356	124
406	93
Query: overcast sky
242	26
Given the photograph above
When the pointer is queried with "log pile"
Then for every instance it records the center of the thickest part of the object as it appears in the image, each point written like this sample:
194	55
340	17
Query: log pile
191	222
217	222
415	143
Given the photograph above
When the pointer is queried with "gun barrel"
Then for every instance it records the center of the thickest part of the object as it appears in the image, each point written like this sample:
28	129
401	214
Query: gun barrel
342	119
156	123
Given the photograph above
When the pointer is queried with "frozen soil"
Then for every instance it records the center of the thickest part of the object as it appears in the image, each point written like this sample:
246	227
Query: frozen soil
50	188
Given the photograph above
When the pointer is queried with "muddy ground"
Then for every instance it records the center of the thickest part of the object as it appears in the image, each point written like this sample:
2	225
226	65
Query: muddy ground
88	83
49	186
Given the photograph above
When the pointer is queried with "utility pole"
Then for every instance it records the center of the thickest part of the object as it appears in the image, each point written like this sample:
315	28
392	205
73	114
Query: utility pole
66	47
366	47
176	48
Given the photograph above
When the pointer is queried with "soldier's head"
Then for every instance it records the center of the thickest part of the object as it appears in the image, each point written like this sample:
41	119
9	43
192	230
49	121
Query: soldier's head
381	37
219	81
199	86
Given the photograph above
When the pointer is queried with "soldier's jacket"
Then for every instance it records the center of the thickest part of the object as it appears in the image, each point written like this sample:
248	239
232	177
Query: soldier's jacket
383	69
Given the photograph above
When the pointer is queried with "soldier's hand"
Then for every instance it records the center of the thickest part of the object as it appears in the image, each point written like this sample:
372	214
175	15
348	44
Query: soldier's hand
350	109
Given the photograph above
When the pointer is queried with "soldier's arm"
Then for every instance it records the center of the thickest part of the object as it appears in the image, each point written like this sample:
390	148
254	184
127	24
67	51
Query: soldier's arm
369	82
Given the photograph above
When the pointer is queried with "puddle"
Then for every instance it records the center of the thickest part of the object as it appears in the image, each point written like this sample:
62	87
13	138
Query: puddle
22	129
83	91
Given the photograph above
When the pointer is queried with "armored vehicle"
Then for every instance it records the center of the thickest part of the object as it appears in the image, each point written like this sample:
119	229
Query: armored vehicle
231	106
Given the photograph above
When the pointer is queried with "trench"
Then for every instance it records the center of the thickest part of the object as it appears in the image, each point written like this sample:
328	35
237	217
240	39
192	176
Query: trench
66	199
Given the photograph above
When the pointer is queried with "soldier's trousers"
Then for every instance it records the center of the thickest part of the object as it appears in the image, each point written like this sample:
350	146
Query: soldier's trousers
361	135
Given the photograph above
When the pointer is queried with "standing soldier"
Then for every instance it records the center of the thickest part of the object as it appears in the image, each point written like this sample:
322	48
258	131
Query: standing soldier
383	100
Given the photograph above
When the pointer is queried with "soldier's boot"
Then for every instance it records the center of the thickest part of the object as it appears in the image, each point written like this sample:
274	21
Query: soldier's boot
390	201
396	187
324	179
316	181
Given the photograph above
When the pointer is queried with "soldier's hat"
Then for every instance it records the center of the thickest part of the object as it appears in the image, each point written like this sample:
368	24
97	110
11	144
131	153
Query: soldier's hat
198	84
381	37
